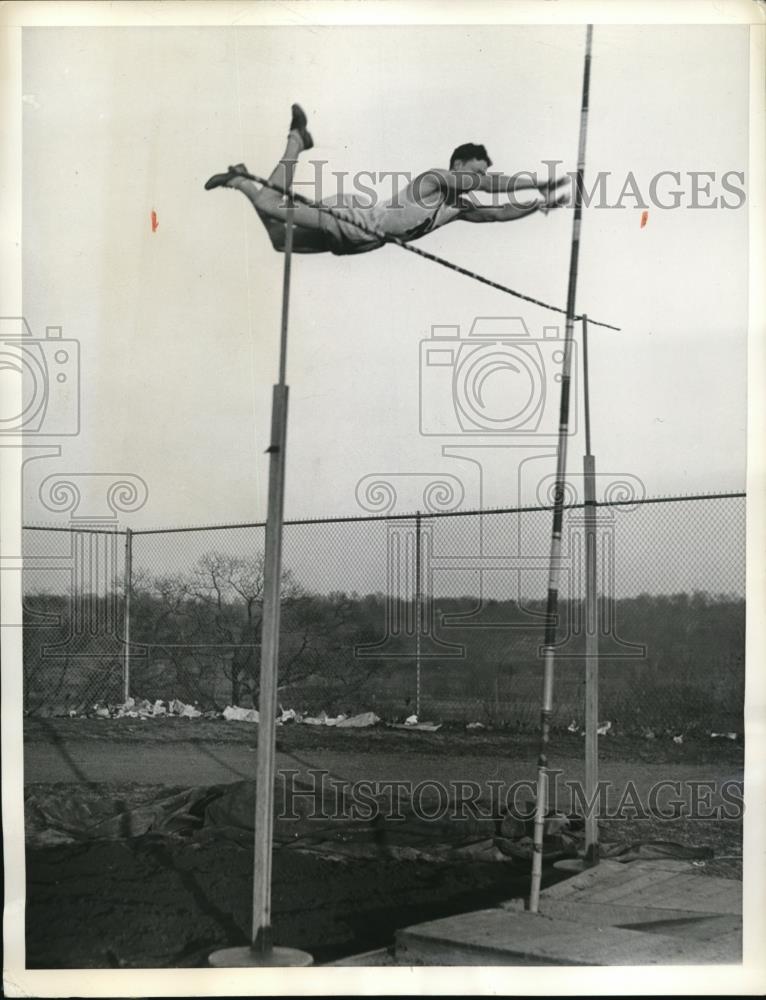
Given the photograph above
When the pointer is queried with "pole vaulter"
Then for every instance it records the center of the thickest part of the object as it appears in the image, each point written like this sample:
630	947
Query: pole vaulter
430	201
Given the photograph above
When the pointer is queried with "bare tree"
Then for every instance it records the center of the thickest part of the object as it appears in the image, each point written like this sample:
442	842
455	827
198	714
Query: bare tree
225	594
207	624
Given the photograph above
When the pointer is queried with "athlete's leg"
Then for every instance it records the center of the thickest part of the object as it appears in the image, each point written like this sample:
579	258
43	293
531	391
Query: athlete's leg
266	199
267	202
315	231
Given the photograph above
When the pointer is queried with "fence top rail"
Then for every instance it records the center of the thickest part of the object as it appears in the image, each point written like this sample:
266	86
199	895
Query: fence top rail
362	518
73	529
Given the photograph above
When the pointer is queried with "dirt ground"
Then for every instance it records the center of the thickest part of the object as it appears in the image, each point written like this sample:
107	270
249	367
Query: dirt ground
458	741
161	900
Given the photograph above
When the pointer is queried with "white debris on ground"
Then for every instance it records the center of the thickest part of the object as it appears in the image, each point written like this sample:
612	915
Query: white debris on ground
233	713
603	729
323	719
359	721
140	708
185	711
411	722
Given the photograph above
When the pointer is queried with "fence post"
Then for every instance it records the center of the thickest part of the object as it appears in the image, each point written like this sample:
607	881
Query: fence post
126	626
418	613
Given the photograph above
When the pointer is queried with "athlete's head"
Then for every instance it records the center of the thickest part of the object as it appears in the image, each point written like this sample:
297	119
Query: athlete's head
471	157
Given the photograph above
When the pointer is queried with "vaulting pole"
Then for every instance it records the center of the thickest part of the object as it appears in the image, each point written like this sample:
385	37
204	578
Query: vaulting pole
262	951
541	806
591	624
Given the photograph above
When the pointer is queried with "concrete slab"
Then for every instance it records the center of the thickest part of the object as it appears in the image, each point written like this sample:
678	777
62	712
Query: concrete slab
711	930
662	884
661	912
638	913
501	937
617	915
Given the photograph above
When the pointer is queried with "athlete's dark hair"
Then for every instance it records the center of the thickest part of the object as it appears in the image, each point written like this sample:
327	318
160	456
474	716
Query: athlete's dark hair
469	151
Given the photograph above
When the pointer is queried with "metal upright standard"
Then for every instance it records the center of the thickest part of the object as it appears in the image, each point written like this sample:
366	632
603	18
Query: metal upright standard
541	805
262	951
591	626
126	625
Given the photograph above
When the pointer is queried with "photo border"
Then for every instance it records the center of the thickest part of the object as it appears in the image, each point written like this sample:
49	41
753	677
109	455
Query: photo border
704	980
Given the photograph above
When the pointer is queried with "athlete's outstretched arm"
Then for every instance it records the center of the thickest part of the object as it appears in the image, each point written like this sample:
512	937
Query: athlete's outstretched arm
501	213
511	211
523	181
464	181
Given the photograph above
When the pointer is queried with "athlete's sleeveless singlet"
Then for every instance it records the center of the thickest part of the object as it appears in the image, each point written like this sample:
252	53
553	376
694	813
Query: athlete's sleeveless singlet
402	217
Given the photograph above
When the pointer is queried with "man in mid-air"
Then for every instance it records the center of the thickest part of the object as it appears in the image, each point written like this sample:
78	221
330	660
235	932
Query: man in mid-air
431	200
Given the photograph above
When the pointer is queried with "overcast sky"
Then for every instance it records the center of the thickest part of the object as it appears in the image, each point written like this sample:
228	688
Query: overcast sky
179	328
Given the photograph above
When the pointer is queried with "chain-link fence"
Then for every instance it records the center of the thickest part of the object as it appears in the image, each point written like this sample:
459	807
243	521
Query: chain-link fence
437	614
